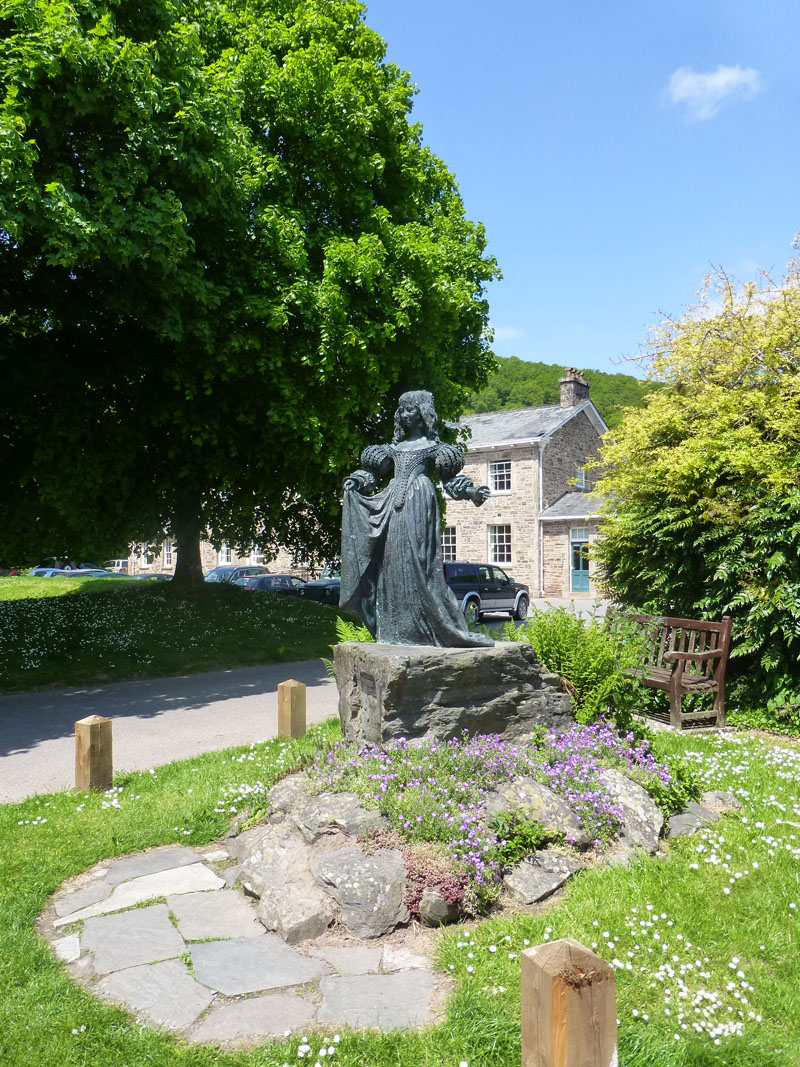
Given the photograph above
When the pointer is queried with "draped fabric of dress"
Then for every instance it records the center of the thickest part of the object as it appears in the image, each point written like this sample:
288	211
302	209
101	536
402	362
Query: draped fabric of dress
392	574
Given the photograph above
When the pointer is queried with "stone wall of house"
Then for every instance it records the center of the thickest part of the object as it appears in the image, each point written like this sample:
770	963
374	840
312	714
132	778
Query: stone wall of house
556	559
565	454
517	508
163	560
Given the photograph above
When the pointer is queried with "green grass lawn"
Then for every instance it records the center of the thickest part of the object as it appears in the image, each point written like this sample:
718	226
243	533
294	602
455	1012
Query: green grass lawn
703	939
73	631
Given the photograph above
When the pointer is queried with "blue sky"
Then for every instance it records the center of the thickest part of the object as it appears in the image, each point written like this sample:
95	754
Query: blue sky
615	152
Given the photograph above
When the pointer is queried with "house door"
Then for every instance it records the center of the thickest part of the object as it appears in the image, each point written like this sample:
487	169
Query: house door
579	560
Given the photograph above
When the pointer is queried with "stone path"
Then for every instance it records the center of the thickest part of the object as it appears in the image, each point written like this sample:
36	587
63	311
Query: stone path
163	934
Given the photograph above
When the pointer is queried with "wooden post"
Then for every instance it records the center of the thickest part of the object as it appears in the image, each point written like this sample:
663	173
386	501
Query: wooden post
94	767
569	1007
291	709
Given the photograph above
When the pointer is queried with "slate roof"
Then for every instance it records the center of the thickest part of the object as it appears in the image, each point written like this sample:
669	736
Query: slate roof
574	505
517	424
522	424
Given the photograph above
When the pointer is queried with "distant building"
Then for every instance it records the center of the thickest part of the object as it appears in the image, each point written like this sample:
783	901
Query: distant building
541	517
537	524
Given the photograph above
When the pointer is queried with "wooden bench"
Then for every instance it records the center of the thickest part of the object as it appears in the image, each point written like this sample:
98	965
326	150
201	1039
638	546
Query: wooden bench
684	656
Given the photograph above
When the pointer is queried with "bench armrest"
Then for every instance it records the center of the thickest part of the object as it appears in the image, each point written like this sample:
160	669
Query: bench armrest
676	657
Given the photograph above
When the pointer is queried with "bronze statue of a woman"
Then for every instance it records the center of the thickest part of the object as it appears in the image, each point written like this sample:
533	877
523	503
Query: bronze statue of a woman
392	574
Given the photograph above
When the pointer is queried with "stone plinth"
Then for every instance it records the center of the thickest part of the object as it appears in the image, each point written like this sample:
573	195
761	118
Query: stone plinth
391	691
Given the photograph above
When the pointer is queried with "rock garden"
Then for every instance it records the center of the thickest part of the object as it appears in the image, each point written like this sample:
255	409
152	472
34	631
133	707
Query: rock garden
312	911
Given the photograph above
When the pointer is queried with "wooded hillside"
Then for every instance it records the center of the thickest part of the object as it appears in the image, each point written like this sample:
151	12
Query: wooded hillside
519	384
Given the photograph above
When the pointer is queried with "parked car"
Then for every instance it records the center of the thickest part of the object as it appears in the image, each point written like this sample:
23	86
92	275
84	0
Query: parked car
92	572
231	572
485	587
272	583
324	590
120	565
47	572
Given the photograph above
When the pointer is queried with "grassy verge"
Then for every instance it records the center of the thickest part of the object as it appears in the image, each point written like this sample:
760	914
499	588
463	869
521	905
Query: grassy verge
73	631
704	976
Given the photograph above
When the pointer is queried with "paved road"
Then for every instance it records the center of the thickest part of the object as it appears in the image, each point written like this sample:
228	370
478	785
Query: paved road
155	721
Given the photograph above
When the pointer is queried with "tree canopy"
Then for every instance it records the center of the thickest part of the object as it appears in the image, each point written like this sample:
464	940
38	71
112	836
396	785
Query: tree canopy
224	252
704	483
518	383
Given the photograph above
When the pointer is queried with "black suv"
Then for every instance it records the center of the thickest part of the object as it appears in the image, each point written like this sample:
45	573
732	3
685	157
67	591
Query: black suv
481	587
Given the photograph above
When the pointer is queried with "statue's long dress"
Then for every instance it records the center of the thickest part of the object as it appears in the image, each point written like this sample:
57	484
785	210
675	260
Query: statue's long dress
392	575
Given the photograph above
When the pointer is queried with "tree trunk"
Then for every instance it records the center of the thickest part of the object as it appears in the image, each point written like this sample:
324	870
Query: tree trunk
188	526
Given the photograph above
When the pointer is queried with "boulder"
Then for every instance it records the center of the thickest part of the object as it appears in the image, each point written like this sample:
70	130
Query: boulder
270	857
683	824
368	888
693	818
536	878
540	803
296	911
434	909
642	821
720	800
391	691
288	793
329	812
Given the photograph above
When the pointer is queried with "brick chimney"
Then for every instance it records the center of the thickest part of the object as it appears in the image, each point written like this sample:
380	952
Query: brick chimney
574	388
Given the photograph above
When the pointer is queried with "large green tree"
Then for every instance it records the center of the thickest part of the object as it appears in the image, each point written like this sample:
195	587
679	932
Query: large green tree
224	251
704	484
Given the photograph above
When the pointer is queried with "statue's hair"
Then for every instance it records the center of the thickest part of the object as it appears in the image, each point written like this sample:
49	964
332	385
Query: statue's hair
424	401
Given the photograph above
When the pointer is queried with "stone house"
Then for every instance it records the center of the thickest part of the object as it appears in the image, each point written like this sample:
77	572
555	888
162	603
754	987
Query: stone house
538	522
541	517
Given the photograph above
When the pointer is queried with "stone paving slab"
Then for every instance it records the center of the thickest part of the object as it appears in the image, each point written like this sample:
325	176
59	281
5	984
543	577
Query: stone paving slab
161	859
249	965
68	948
163	994
222	914
191	878
399	958
354	959
82	898
381	1001
130	938
246	1022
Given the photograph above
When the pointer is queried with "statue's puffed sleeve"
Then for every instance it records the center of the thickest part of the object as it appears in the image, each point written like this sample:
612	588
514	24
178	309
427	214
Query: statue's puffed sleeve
449	462
375	460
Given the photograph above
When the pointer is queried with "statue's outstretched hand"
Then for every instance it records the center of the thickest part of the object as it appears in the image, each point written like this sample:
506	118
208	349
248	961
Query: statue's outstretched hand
359	482
480	495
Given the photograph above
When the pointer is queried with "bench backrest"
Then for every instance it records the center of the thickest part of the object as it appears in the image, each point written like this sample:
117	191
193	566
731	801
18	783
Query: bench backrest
665	634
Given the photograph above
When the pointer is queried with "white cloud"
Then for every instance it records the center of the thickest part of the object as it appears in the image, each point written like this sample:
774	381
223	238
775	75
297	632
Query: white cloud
703	95
507	333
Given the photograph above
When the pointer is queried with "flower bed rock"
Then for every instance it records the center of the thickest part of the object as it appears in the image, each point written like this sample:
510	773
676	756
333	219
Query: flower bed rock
313	865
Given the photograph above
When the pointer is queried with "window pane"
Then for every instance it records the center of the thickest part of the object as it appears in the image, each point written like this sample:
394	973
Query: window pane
500	476
500	544
449	543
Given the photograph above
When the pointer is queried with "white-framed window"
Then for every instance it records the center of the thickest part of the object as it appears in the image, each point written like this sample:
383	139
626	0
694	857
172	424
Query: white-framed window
449	543
579	533
224	555
580	479
169	552
500	544
500	476
256	557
